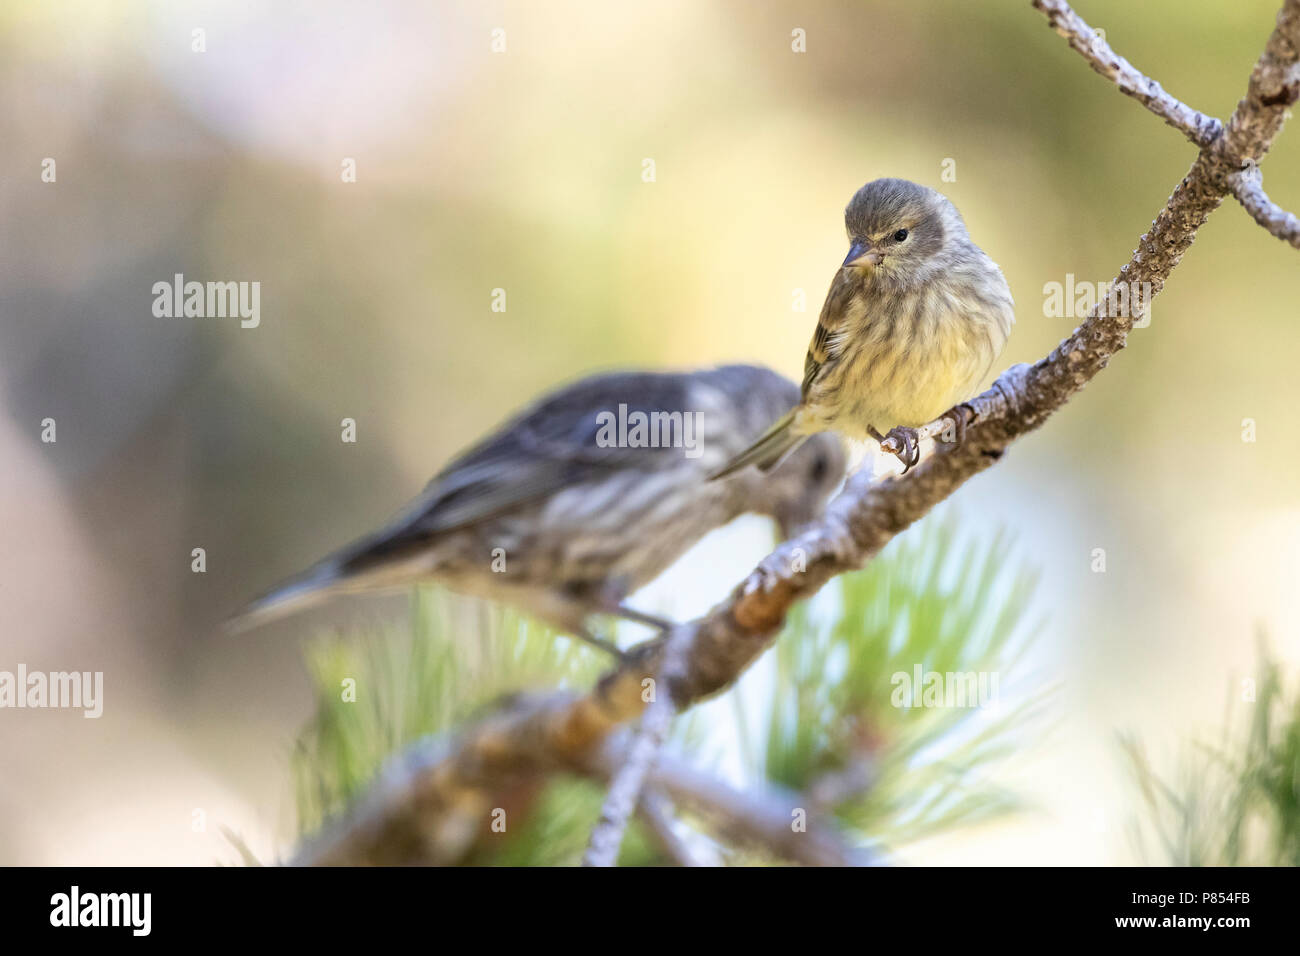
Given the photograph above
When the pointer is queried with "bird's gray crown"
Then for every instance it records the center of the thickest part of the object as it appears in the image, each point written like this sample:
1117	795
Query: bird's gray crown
883	205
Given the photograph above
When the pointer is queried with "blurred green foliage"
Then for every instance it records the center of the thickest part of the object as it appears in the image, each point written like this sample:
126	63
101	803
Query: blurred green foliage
425	679
1236	803
947	604
414	682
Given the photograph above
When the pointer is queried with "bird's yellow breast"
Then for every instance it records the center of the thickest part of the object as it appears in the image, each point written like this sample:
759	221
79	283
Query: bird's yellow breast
906	361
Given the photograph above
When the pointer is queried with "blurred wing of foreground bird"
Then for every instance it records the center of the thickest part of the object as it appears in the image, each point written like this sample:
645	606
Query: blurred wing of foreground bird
574	514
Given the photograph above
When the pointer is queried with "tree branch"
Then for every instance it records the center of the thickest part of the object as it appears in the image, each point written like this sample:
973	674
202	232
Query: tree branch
1248	187
1196	126
768	821
434	799
401	823
656	813
625	791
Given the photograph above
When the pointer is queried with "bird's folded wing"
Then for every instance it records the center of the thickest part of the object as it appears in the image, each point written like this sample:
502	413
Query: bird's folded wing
818	353
559	443
827	340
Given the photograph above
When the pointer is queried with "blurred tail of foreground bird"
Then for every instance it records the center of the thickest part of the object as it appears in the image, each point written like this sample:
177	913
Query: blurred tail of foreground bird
583	498
337	574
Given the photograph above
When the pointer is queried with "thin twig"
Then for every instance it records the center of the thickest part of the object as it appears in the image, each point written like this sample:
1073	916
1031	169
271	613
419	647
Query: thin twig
1196	126
774	821
625	790
1248	187
656	813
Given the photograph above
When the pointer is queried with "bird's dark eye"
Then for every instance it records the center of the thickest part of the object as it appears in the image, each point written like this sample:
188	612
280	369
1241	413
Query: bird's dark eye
900	235
819	469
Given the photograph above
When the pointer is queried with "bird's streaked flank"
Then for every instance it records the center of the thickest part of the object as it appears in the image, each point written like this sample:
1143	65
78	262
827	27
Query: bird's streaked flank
551	515
913	321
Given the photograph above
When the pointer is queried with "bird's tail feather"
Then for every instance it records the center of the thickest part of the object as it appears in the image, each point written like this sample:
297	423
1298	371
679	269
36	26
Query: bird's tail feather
387	560
777	442
297	594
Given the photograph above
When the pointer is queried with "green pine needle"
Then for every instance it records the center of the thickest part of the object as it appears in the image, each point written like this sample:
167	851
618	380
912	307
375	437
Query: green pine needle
1236	803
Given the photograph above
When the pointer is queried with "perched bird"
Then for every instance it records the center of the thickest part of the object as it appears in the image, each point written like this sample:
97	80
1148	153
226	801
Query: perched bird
583	498
912	323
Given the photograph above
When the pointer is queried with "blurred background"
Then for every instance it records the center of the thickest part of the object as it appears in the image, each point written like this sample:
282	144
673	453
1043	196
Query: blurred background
523	170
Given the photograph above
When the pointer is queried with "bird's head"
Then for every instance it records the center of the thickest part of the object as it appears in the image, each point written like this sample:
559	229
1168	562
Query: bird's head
750	399
795	492
900	232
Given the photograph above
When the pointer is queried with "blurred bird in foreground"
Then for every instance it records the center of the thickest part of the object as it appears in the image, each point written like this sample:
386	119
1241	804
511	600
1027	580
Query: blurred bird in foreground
583	498
913	321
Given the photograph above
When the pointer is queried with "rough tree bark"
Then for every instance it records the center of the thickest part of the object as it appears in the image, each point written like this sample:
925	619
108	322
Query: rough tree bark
433	798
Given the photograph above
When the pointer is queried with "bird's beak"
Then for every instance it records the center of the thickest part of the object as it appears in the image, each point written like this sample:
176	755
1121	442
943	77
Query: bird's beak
862	254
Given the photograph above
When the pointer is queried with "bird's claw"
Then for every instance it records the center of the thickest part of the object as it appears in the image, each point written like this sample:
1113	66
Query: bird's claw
904	444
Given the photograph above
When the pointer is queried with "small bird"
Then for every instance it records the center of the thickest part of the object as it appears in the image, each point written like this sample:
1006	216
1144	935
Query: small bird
912	323
583	498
